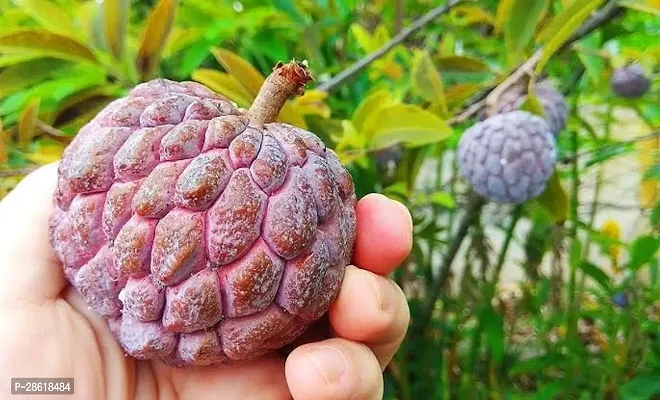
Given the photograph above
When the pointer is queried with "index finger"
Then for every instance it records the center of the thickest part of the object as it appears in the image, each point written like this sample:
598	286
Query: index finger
384	234
29	268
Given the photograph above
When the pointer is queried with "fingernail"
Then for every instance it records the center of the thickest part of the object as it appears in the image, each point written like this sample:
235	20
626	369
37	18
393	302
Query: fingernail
383	292
330	362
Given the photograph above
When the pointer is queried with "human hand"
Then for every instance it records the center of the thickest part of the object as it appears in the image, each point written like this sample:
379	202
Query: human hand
46	329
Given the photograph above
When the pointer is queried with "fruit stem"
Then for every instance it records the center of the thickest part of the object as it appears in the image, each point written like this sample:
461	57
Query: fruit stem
286	81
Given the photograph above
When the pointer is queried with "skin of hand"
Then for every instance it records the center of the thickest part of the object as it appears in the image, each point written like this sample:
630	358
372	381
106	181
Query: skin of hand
46	329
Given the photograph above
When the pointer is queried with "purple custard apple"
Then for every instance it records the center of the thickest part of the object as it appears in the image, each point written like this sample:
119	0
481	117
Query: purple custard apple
204	234
630	82
508	158
553	103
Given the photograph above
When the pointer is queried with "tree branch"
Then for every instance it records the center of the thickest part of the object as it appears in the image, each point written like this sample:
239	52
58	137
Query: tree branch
418	24
472	212
601	17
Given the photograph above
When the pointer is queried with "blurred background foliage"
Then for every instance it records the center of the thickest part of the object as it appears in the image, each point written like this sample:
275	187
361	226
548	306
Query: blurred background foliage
581	316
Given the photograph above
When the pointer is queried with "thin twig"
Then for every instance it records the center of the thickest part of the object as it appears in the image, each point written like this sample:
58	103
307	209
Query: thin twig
418	24
53	132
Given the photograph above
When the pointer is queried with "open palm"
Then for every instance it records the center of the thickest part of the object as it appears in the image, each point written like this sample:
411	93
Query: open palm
46	330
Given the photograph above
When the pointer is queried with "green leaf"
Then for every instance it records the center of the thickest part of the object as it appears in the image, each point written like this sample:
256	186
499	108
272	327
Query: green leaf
520	26
248	76
642	387
364	39
494	329
473	14
575	254
49	15
652	173
397	190
224	84
648	6
593	64
426	81
607	152
461	64
554	199
45	44
457	94
549	391
7	60
563	25
537	364
26	124
596	274
442	199
154	37
407	124
114	14
23	75
533	105
642	250
503	12
369	107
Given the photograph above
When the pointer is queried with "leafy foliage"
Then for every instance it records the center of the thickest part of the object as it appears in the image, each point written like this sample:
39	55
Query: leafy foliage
582	321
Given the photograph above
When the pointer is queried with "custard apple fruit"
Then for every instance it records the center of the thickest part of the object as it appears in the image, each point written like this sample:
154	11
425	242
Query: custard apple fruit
509	157
553	103
630	82
203	234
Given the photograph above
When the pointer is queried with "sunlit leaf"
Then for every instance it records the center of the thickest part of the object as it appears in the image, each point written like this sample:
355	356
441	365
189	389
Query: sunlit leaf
7	60
224	84
248	76
288	114
115	18
426	80
503	12
46	153
407	124
493	324
642	250
555	199
312	102
26	124
563	25
461	64
520	26
364	39
533	105
442	199
368	108
46	44
154	37
49	15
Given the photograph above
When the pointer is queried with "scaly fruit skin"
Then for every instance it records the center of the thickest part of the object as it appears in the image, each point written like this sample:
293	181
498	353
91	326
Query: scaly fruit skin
553	103
630	82
509	157
201	237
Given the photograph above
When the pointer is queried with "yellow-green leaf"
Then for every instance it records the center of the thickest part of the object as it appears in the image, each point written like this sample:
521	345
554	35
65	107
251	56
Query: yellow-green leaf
647	6
7	60
473	14
369	107
532	104
46	153
46	44
23	75
154	37
457	94
407	124
49	15
426	80
248	76
288	114
224	84
312	102
3	146
461	64
520	27
554	199
364	39
115	18
562	27
503	12
26	123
